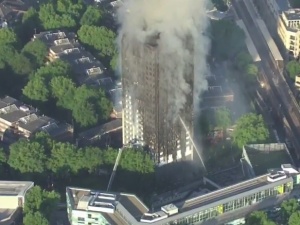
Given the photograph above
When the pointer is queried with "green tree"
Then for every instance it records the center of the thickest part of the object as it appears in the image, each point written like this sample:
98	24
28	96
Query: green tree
94	157
114	61
100	38
27	157
90	106
3	156
135	160
250	128
54	69
63	89
37	89
50	19
293	68
258	218
65	159
20	65
38	200
222	117
30	23
45	140
243	59
8	36
38	86
35	218
252	70
91	16
227	39
289	207
36	51
294	218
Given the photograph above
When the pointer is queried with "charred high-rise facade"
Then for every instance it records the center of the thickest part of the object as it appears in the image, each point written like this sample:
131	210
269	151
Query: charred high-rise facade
148	112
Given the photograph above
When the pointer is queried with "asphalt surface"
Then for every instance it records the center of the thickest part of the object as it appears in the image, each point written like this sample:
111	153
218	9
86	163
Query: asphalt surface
277	89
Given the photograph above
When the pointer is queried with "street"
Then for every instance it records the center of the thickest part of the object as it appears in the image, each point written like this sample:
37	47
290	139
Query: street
277	88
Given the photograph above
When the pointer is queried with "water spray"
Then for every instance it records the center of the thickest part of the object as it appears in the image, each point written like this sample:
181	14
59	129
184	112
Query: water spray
193	143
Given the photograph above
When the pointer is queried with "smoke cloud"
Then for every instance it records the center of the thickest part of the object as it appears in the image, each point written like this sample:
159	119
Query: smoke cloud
176	22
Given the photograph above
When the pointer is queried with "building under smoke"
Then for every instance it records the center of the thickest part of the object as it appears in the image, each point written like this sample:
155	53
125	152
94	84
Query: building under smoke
150	114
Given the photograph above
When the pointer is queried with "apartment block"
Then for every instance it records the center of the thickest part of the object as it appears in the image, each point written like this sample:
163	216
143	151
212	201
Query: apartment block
86	68
18	120
289	31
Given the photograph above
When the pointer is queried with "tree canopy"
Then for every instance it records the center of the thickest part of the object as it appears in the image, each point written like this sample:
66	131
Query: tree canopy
250	128
36	218
8	36
91	16
258	218
289	207
27	157
41	201
36	51
293	68
294	218
99	38
227	39
222	117
41	154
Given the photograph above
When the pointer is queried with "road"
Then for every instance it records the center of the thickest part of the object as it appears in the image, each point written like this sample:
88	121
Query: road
277	88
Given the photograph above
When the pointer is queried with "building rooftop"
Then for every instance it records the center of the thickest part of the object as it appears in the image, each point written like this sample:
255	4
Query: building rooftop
227	177
6	101
33	122
26	118
97	132
121	208
14	188
292	14
265	156
10	193
64	45
13	116
104	202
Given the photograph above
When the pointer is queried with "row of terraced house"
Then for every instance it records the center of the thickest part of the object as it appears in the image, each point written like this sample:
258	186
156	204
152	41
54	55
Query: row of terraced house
87	69
18	120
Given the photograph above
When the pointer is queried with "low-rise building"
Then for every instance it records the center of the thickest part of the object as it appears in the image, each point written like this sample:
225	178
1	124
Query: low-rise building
289	31
12	199
18	120
218	93
226	204
86	68
99	135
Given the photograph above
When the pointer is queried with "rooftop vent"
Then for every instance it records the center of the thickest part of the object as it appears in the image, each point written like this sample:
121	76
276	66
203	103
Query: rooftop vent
170	209
153	217
94	71
63	41
83	60
24	108
70	50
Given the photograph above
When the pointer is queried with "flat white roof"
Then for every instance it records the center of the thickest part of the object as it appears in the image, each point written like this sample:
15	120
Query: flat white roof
14	188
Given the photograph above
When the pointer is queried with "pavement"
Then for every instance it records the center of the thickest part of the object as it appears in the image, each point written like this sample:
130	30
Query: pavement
280	94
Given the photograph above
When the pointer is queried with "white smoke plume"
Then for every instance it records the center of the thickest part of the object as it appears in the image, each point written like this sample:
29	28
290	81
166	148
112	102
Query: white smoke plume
174	20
